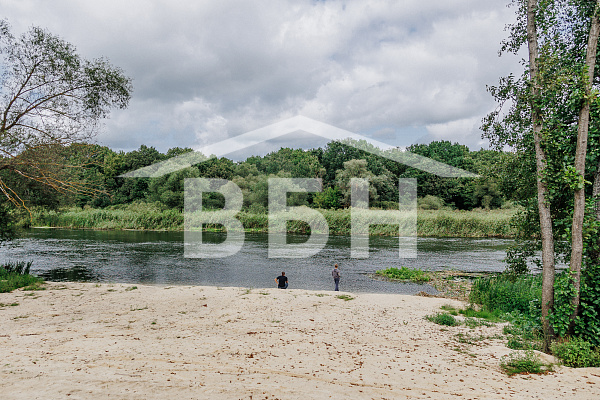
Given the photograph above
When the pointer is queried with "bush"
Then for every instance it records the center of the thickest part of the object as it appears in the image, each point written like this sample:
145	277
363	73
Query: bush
576	353
442	319
430	203
523	363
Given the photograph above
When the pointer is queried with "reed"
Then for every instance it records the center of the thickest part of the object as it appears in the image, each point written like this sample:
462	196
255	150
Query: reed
430	223
133	216
14	275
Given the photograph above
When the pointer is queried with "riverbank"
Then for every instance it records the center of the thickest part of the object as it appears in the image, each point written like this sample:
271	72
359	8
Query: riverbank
88	341
430	223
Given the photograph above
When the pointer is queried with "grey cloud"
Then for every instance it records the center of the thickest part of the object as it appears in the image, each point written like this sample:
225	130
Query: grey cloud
204	71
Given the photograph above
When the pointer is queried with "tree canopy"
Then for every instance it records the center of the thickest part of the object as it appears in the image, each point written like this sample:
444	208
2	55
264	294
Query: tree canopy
51	99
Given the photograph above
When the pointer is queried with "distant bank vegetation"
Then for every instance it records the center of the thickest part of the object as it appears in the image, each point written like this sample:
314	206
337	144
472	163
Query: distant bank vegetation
430	223
447	206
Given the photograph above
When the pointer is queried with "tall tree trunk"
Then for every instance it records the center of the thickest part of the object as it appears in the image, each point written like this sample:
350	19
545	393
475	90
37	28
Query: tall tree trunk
542	189
580	153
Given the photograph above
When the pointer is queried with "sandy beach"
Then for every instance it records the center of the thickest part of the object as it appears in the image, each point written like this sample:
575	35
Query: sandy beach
105	341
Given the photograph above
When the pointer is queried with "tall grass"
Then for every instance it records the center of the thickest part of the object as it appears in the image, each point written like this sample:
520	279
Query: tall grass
476	223
431	223
14	275
131	216
508	294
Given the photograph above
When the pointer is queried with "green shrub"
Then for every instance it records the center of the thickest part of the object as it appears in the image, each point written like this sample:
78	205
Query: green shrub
442	319
576	353
405	274
587	324
506	293
525	362
430	203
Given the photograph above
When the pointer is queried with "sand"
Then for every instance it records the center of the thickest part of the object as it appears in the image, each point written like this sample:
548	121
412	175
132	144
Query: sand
103	341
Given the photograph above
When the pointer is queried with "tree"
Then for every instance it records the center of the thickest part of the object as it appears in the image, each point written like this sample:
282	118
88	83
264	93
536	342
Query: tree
580	156
51	98
354	169
549	120
548	265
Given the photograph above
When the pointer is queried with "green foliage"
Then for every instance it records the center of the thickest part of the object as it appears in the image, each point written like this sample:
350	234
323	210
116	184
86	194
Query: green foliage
405	274
19	267
51	98
329	198
131	216
458	223
524	331
506	293
492	316
14	275
577	353
344	297
523	362
336	164
587	324
156	216
7	225
442	319
562	30
430	202
564	290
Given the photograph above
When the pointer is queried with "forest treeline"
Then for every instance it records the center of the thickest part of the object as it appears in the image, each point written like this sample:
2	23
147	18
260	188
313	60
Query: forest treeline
335	164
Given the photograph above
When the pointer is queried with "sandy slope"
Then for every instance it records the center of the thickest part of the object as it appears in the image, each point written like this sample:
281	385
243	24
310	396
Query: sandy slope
87	341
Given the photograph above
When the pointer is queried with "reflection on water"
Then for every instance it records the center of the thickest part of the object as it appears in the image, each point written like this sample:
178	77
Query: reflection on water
77	273
157	258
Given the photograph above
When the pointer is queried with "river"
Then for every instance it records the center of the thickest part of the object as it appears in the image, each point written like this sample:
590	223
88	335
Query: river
145	257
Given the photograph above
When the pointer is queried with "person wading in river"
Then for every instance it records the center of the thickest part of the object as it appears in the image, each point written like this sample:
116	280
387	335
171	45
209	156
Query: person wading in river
336	277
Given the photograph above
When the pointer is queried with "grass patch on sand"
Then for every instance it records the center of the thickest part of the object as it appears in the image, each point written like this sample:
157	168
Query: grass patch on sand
524	362
15	275
405	274
443	319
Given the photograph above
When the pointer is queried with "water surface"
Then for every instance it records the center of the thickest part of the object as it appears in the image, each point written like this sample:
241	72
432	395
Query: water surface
157	258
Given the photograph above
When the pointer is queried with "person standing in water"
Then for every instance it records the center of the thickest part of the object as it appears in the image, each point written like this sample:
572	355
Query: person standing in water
336	277
282	281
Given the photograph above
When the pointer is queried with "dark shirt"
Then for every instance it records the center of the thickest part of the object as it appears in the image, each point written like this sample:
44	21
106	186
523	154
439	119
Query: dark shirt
336	274
281	281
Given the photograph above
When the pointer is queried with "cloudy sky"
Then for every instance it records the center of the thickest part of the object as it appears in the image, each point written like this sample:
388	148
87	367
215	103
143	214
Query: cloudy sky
398	71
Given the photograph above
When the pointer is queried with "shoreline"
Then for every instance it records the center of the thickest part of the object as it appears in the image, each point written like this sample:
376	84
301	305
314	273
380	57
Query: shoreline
88	341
